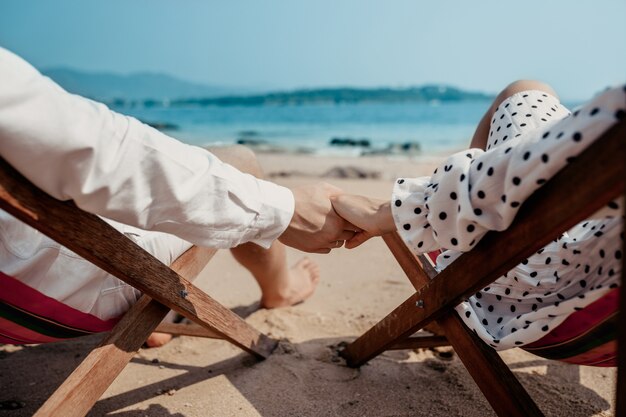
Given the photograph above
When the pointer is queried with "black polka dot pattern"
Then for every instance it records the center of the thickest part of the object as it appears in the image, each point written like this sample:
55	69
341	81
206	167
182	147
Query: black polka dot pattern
475	191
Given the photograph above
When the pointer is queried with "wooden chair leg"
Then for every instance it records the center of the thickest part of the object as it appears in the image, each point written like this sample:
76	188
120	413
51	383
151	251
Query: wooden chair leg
498	384
494	378
79	392
178	329
421	342
394	328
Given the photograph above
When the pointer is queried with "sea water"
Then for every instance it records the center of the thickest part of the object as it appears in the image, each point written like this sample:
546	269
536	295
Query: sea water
434	126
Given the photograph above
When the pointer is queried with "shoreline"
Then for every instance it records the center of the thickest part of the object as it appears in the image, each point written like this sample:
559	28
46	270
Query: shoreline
333	167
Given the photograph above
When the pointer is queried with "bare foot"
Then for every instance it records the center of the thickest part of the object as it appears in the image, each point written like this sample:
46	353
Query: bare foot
293	287
159	339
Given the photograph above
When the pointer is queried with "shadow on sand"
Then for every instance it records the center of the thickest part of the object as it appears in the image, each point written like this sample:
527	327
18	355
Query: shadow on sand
298	379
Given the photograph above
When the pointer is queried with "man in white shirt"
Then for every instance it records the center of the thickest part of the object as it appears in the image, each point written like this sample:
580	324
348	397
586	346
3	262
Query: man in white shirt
142	180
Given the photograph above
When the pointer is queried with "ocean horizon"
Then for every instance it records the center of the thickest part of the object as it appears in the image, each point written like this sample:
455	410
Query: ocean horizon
344	120
343	129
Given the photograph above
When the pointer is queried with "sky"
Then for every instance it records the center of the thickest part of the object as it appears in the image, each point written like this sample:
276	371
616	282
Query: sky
577	47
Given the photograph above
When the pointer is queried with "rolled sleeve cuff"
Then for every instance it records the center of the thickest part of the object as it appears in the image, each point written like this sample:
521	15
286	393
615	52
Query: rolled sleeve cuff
277	208
409	207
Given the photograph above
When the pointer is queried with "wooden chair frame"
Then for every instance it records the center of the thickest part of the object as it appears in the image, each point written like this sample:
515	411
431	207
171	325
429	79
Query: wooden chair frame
594	178
164	288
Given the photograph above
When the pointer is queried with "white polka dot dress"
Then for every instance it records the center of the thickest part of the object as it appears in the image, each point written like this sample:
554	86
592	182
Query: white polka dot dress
532	136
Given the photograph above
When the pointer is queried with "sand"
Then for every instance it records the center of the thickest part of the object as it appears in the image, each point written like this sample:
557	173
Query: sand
304	377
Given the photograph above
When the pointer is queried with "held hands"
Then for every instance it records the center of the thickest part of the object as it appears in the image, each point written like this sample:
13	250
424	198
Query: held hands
315	226
324	217
372	217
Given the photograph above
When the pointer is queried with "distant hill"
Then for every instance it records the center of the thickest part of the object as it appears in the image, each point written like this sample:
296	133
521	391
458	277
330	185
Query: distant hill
153	90
426	93
106	86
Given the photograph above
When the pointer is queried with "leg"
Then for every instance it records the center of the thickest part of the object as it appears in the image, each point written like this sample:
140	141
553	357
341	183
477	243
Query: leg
280	286
479	140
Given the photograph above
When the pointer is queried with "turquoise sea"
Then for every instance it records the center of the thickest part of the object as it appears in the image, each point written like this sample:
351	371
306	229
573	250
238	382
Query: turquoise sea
435	126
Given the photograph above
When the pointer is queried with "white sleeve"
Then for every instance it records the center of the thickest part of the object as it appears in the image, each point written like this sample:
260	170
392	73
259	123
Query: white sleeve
114	166
476	191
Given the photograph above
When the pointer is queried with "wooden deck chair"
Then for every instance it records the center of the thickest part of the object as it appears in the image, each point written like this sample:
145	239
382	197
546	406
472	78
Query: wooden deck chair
593	179
164	288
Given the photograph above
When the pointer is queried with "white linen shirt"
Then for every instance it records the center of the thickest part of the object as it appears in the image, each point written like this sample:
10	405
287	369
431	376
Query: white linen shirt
119	168
139	180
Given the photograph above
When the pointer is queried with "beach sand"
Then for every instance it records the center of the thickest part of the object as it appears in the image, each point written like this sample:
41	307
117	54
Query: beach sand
304	377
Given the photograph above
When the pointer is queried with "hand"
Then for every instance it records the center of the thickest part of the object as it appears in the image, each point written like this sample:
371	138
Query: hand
372	216
315	226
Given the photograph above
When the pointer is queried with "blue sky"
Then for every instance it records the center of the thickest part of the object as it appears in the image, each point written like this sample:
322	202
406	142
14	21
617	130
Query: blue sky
578	47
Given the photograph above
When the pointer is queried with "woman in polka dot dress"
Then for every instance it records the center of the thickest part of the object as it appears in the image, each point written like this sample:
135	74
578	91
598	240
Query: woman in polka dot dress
523	140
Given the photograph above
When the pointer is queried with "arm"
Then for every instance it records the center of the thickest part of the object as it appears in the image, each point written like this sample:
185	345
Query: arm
116	167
